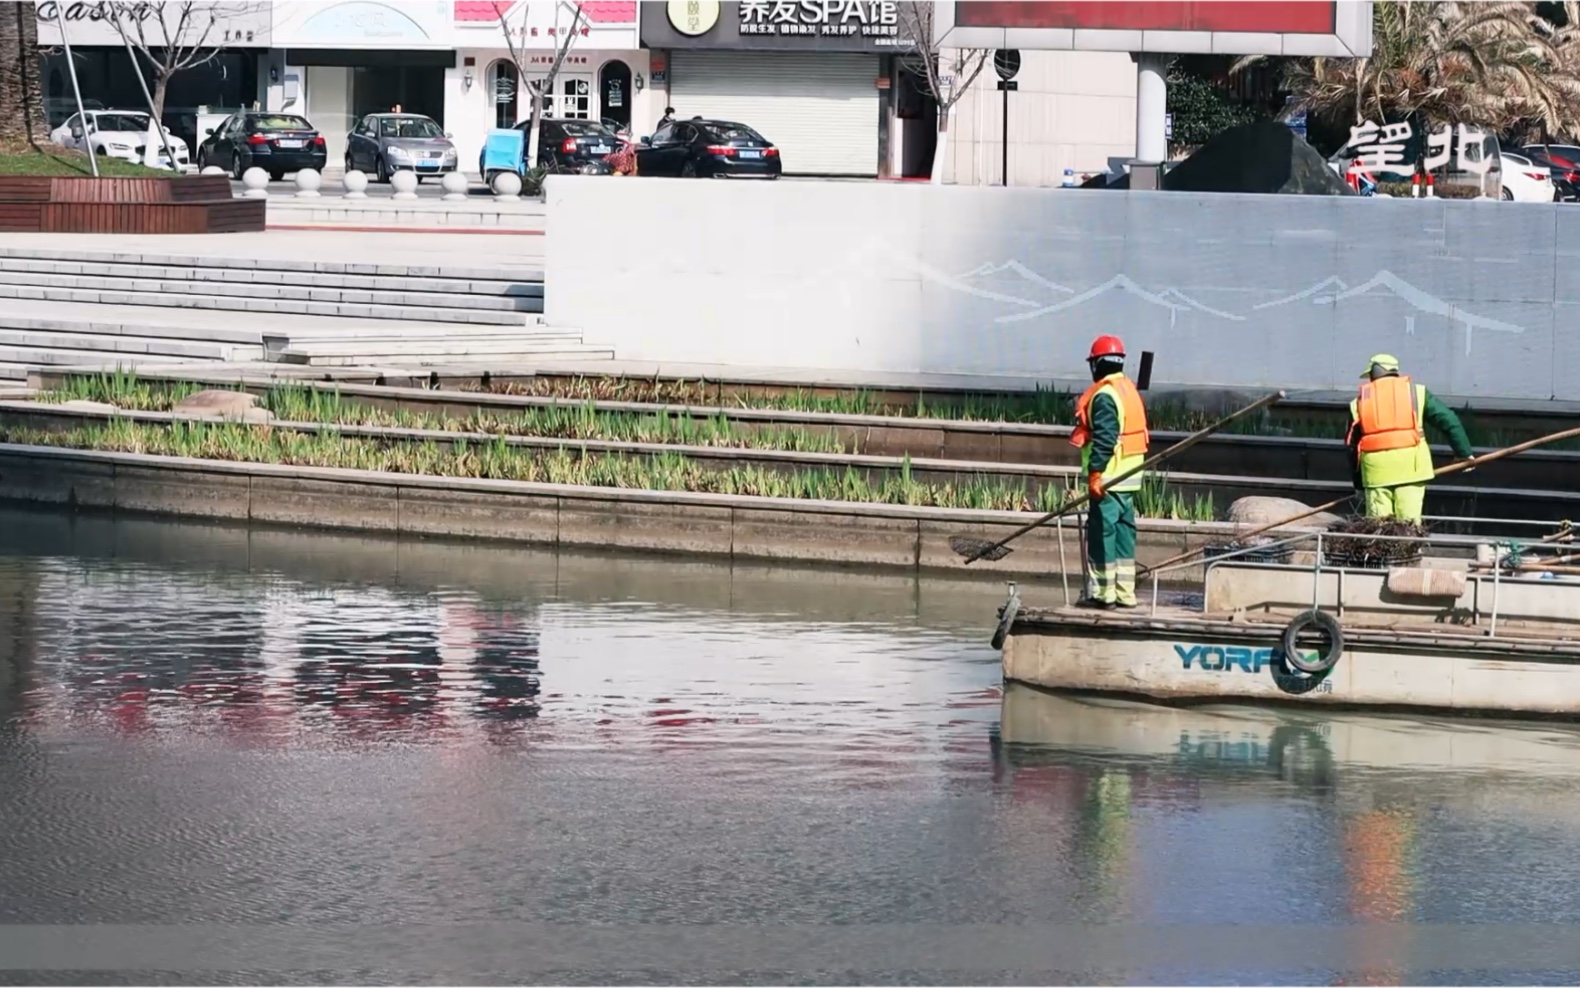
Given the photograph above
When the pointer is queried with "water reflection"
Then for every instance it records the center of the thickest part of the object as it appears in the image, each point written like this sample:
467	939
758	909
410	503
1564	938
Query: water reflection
274	727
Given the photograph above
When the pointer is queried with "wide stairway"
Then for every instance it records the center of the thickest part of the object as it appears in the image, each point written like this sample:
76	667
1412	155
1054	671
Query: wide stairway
87	308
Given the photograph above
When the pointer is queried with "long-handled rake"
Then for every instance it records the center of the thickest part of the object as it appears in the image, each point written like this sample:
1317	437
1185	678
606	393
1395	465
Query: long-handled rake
973	549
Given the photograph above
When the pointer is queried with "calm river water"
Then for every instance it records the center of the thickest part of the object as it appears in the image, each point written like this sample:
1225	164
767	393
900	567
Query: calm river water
231	756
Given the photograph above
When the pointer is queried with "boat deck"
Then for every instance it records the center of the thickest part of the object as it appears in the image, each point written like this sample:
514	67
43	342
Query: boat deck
1172	621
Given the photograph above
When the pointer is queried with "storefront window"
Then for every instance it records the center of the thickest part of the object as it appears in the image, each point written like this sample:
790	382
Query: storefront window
503	83
576	102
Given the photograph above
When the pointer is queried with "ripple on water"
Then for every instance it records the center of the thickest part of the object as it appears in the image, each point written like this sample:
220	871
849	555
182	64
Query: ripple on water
276	744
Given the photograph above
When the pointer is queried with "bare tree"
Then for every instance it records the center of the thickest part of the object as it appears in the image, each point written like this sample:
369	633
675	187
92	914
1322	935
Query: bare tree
564	38
172	37
21	103
948	73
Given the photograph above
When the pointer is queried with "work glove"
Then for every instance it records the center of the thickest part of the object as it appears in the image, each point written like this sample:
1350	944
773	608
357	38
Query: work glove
1094	486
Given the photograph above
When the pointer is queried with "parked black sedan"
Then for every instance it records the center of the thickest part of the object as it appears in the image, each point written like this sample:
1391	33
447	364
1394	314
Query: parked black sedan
570	147
276	142
699	148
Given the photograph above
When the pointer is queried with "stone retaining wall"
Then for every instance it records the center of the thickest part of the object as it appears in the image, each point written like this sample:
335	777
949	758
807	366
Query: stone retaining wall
715	525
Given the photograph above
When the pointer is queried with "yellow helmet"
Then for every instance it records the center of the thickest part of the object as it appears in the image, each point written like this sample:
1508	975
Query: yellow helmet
1386	361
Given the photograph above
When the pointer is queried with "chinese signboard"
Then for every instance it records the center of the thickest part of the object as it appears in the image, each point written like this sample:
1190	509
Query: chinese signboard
782	25
209	24
1385	148
833	19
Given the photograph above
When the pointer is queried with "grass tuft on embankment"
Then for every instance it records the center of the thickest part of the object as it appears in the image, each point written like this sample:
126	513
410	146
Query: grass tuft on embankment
301	403
58	162
498	460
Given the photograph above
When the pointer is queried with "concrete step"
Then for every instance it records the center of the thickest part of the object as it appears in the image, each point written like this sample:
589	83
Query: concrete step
274	346
230	263
144	345
155	329
528	285
178	300
25	356
414	331
407	354
249	292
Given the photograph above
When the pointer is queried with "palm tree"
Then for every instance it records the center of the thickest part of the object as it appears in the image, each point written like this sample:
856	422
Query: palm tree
21	101
1497	65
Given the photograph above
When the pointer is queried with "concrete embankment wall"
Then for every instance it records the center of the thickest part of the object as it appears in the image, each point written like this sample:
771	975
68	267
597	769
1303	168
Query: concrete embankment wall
1476	298
714	525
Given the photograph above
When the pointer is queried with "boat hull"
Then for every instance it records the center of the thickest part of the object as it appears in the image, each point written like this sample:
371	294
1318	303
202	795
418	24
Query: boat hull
1222	660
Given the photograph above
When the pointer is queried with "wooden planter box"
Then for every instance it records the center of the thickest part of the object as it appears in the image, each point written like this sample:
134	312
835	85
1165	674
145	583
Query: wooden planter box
179	204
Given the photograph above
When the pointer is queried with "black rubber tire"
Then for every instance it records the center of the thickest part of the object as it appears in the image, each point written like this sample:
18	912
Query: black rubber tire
277	176
1011	609
382	170
1507	195
236	171
1329	625
688	170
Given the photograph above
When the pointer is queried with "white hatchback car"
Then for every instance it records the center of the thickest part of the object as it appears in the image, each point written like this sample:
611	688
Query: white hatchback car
1526	181
118	134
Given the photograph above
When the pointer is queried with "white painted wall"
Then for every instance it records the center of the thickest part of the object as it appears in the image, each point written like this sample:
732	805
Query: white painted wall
1073	110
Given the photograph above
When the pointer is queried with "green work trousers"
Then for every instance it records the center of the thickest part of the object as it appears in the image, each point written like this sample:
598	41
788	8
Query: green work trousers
1403	502
1111	549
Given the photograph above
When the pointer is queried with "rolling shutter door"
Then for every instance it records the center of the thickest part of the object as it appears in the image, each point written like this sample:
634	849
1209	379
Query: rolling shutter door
821	110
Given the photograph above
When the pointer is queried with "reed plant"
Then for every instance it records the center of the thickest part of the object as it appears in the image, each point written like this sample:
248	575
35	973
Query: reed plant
496	459
580	418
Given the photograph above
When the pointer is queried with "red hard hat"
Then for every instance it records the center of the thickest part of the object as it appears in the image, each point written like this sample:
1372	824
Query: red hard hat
1106	346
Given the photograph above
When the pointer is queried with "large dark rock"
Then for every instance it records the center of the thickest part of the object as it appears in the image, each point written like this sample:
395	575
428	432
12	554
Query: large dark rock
1265	156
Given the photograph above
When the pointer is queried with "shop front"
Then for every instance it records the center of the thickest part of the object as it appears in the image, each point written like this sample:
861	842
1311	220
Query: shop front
337	61
230	51
602	73
810	77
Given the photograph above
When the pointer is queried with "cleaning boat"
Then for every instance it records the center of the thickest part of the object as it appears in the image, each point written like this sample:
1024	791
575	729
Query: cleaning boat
1447	623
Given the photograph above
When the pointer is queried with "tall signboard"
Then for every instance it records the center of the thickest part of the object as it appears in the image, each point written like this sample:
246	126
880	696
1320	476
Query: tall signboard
1337	28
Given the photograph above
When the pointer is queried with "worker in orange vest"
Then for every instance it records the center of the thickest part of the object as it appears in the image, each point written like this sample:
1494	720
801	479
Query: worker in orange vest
1111	430
1387	440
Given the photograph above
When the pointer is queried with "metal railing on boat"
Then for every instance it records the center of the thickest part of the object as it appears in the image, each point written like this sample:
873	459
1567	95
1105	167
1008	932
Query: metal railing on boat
1506	554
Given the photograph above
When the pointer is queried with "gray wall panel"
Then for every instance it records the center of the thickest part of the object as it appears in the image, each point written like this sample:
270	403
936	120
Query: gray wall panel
1478	298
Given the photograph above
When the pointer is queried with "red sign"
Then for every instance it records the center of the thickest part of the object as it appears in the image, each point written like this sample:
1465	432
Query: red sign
1285	17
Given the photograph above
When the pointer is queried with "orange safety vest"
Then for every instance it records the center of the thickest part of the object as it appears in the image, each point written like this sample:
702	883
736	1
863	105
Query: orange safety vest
1389	414
1133	435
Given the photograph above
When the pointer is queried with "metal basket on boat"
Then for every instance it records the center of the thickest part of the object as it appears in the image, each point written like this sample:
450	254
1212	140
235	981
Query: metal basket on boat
1368	544
1270	552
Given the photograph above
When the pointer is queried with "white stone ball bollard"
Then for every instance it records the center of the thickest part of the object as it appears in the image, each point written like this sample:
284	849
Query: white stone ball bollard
308	182
455	186
356	184
256	181
212	170
404	183
507	185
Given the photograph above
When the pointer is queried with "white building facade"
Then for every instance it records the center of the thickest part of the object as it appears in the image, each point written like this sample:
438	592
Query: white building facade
827	82
337	60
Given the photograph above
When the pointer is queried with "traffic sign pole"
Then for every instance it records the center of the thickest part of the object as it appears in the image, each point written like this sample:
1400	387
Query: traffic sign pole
1006	63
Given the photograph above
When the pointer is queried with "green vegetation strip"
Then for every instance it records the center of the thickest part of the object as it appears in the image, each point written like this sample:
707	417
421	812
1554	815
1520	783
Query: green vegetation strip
307	403
300	403
498	460
1042	406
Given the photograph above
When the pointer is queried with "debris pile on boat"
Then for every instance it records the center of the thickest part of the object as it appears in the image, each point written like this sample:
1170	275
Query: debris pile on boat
1374	543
